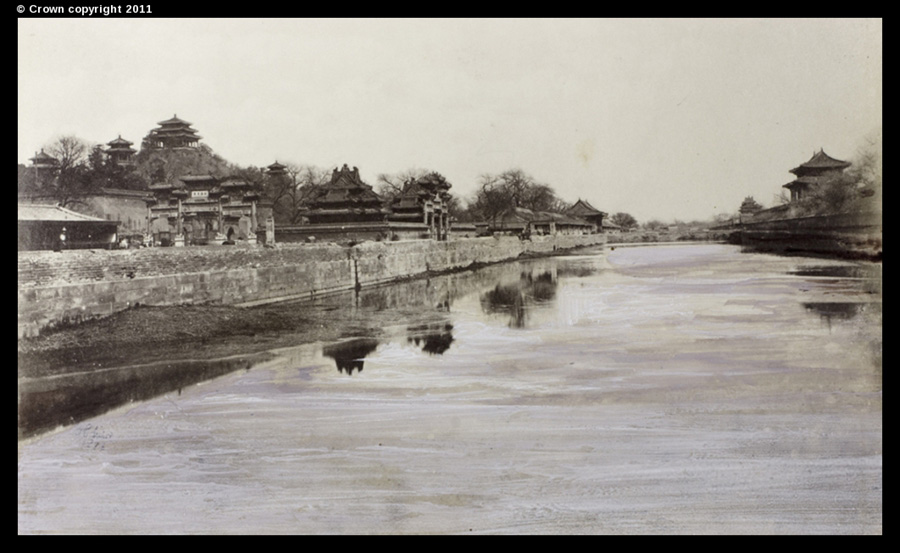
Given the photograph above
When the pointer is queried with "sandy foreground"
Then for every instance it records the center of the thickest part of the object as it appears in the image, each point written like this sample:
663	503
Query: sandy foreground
651	397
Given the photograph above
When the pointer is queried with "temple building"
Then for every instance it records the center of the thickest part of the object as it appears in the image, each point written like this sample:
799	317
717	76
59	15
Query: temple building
819	169
424	200
345	199
203	209
583	210
120	152
172	133
44	166
749	208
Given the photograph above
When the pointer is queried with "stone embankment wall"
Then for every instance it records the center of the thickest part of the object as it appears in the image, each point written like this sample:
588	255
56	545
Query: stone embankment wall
853	236
67	287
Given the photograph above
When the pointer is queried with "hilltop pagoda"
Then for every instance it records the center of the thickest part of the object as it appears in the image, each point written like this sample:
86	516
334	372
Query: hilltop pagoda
345	199
172	133
120	152
819	169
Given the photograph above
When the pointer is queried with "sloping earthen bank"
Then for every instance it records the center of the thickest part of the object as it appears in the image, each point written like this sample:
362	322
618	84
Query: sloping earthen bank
57	289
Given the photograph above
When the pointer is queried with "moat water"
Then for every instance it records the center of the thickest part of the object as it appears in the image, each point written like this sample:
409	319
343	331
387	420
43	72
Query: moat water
652	389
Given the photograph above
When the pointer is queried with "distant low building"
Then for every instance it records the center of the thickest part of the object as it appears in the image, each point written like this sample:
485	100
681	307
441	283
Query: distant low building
50	227
521	221
127	207
611	228
584	210
820	168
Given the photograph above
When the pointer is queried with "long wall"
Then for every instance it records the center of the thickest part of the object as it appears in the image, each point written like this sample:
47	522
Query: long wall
854	236
66	287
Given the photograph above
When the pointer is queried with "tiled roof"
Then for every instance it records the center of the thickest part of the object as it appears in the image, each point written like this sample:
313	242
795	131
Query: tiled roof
37	212
174	121
821	160
119	142
42	156
345	186
582	208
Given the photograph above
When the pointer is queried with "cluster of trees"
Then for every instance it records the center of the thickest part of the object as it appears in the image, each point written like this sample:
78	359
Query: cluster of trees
83	169
513	188
80	169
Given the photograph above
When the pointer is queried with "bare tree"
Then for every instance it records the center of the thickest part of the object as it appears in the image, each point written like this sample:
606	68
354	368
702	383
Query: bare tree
391	185
288	192
69	183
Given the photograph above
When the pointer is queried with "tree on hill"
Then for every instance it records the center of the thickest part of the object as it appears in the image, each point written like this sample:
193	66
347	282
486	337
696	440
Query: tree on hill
101	172
167	164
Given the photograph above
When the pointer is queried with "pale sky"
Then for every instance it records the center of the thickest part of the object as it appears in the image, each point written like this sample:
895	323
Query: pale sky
658	118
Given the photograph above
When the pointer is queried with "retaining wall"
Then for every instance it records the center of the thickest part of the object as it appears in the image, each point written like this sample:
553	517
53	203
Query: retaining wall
71	286
853	236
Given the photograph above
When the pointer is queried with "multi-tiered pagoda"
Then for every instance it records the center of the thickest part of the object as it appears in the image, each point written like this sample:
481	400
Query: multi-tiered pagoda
172	133
120	152
346	199
820	169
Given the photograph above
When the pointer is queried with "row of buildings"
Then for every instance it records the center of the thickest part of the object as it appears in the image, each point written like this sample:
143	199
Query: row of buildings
205	209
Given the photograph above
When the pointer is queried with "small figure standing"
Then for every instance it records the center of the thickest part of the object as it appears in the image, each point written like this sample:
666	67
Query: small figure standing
61	244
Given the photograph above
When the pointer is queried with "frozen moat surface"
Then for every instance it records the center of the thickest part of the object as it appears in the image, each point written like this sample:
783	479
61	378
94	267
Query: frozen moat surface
658	389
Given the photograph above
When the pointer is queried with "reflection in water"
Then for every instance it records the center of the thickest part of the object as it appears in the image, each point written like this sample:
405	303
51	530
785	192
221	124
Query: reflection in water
846	271
515	298
842	311
45	403
870	274
349	355
834	310
434	338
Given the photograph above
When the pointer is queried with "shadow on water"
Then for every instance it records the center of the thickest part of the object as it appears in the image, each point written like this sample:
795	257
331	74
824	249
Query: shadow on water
516	298
349	355
869	274
46	403
435	338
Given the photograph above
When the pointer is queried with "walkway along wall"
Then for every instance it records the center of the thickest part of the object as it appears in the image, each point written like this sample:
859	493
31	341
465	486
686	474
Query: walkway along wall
68	287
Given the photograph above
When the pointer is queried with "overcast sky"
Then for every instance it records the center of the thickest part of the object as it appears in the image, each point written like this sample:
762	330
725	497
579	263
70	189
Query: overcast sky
659	118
